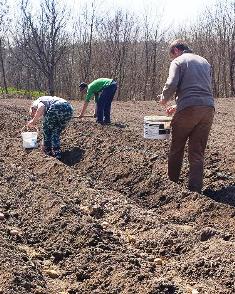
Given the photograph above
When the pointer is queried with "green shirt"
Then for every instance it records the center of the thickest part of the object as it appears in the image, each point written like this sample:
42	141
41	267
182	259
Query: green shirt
95	87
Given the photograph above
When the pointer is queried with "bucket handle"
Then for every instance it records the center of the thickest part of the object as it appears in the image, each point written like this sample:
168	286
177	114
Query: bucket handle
27	128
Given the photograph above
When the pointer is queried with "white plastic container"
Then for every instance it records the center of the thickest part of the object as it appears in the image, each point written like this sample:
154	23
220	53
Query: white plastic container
157	127
29	139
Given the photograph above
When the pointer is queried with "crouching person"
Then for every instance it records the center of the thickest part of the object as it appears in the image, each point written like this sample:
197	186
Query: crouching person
55	113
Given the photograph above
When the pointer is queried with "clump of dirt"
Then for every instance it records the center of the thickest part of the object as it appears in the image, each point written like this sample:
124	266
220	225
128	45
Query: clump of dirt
106	219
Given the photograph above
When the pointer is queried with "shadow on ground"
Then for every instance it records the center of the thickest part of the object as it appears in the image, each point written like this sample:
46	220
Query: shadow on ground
72	157
225	195
120	125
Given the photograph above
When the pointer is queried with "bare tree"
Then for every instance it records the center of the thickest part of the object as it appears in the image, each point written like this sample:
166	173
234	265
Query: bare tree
232	51
88	40
232	64
116	45
213	37
42	39
4	22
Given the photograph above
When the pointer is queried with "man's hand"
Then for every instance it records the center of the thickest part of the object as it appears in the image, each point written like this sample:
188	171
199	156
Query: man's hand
85	104
171	109
161	99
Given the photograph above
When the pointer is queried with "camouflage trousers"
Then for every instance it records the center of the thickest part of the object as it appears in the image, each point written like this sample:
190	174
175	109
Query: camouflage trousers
54	122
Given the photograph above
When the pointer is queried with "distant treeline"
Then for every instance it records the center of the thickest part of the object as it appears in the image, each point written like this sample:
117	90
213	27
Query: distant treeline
53	52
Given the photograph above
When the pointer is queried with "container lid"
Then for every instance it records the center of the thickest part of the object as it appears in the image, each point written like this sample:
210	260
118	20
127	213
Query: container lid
160	118
29	133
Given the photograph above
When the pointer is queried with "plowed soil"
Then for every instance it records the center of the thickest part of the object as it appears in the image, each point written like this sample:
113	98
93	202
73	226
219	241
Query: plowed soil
106	219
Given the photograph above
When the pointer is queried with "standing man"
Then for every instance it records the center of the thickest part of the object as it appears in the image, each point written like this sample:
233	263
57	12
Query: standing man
190	81
56	113
104	90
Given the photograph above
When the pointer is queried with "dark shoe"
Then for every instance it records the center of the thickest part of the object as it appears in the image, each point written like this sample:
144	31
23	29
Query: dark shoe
57	154
107	122
195	189
48	152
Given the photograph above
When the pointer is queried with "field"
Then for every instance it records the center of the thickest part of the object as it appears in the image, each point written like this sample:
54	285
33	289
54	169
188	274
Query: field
106	219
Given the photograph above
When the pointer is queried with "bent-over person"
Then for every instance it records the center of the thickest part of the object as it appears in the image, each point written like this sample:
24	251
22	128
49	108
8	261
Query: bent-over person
103	89
56	113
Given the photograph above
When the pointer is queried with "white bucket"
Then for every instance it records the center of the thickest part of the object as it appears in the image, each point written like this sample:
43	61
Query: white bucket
157	127
29	139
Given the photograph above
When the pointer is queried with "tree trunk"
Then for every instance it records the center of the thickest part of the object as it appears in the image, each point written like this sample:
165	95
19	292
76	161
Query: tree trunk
232	66
3	68
51	85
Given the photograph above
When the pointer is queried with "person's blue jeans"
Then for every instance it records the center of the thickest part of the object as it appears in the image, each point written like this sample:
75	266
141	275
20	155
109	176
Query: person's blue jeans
103	105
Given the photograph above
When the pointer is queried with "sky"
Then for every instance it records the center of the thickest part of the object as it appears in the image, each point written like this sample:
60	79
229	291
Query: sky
174	12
